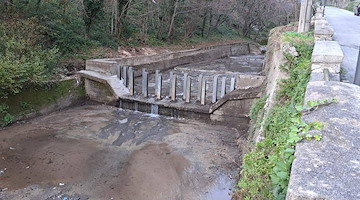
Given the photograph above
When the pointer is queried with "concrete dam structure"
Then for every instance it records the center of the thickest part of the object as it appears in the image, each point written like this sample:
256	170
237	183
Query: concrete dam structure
209	82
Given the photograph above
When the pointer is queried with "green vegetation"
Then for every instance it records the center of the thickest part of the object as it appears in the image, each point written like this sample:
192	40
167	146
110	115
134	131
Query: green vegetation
352	5
23	60
266	170
256	109
36	98
38	39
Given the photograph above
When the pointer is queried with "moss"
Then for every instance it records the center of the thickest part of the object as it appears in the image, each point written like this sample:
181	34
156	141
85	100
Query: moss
37	98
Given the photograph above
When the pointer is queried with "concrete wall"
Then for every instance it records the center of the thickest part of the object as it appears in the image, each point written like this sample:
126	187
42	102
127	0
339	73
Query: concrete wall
272	72
329	168
171	60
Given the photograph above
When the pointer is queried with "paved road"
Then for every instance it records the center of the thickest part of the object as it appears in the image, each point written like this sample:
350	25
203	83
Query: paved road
346	26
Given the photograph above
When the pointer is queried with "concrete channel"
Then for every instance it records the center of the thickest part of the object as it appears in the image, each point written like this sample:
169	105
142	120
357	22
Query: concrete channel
148	147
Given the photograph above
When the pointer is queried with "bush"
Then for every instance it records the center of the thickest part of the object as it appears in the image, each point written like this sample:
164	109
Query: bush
23	62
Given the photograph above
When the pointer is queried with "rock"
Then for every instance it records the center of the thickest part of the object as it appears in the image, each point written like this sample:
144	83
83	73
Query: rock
287	48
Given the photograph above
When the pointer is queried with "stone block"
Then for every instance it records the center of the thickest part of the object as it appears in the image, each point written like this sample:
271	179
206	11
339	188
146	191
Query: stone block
333	68
322	30
329	169
327	52
319	76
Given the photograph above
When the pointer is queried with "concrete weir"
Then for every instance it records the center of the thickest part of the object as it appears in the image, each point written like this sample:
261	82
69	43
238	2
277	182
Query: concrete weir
208	82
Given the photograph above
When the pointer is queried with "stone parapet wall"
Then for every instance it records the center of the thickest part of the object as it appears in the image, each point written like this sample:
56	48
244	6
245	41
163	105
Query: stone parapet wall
329	168
322	29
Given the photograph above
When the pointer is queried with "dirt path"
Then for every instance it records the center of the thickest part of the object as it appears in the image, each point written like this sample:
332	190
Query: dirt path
100	152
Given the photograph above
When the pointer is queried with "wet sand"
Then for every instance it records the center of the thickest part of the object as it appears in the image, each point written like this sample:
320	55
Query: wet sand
101	152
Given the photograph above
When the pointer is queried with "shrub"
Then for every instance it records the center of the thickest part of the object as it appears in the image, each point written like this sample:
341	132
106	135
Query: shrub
22	61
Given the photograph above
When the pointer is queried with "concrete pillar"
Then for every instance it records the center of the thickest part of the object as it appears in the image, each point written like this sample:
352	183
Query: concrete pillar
157	72
357	71
158	85
188	90
200	82
203	92
232	84
214	94
223	87
170	78
131	80
145	82
118	71
173	88
124	75
184	85
305	16
309	13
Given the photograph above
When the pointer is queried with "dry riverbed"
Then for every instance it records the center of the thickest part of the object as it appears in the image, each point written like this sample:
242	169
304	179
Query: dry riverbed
101	152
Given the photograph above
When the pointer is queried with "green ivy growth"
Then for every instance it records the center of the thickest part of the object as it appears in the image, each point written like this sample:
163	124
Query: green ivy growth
266	170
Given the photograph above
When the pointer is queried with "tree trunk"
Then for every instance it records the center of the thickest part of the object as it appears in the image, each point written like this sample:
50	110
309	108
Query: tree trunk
172	20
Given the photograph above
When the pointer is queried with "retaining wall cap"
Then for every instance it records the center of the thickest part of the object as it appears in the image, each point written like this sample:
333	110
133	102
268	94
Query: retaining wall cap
327	52
323	30
329	168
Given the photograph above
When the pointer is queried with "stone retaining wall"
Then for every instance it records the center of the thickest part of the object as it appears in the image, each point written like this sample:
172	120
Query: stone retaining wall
329	168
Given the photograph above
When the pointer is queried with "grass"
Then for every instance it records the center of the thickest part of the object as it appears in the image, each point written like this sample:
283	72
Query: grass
266	169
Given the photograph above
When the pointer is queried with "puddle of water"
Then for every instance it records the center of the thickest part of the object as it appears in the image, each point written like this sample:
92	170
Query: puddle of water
220	189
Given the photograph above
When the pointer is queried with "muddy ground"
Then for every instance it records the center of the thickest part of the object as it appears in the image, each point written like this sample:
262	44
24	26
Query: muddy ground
101	152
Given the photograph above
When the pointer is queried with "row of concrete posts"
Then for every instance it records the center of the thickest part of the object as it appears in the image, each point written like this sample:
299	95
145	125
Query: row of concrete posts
127	74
